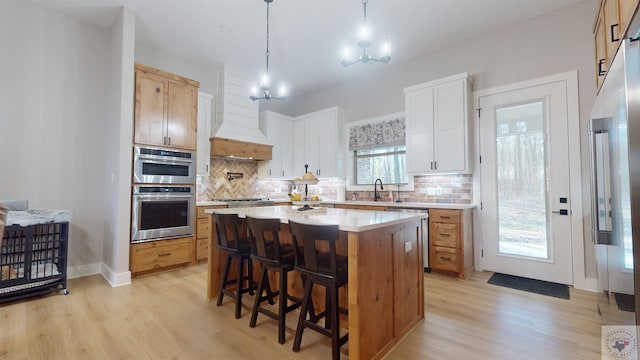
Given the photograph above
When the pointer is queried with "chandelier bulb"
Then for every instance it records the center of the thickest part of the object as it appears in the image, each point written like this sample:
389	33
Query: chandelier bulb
282	91
264	82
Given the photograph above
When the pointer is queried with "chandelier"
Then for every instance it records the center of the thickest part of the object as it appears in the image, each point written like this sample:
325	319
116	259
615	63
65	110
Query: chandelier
364	42
263	92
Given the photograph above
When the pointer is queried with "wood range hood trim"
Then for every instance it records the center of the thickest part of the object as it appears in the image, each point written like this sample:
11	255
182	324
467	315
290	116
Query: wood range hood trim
239	150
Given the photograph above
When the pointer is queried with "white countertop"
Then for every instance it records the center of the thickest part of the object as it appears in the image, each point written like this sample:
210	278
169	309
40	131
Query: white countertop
346	219
412	205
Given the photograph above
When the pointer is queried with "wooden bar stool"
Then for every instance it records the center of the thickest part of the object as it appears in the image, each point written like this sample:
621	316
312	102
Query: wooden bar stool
266	248
238	248
320	267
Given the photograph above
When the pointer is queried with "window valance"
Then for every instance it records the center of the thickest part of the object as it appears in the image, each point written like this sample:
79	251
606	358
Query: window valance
378	134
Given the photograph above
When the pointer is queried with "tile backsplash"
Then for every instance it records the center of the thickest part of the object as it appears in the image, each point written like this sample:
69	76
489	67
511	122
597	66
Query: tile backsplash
449	189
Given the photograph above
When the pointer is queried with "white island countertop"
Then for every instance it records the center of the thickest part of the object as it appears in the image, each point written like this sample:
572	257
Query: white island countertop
346	219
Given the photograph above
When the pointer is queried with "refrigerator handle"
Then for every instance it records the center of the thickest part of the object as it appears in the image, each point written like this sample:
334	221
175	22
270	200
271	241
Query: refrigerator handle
600	175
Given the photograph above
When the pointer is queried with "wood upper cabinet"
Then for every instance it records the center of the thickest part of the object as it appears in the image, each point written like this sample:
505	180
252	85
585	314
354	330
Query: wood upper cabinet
601	51
166	109
609	28
437	126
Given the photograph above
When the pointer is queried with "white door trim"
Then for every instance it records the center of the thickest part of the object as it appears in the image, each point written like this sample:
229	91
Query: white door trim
575	170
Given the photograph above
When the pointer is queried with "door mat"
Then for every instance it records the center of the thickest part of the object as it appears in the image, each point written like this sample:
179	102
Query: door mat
625	302
531	285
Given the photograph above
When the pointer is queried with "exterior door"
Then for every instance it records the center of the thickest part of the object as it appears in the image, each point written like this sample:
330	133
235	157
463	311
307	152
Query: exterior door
525	182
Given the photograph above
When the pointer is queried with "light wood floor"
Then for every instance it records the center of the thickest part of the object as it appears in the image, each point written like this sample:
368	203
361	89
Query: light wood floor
166	316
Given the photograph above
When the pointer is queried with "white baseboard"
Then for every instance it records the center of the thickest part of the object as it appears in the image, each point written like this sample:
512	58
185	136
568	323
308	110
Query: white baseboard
83	270
587	284
116	279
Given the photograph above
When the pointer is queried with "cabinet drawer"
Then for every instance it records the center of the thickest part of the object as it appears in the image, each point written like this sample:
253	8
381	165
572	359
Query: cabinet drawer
445	258
202	228
202	249
446	234
445	215
162	253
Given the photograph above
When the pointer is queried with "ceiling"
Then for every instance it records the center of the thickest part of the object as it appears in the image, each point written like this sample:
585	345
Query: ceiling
307	36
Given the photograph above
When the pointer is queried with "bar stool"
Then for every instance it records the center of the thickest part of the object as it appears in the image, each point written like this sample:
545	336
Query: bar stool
320	267
3	219
275	256
238	248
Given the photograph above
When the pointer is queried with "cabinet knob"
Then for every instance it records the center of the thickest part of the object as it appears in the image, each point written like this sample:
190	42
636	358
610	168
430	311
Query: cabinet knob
158	90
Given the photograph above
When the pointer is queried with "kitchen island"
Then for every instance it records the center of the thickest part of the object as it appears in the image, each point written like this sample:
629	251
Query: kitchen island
385	295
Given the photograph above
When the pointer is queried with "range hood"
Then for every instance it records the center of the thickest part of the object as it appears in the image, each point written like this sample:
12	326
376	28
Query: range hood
239	150
236	132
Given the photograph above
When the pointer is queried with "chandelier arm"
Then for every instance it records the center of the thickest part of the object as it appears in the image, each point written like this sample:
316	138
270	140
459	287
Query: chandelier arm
267	52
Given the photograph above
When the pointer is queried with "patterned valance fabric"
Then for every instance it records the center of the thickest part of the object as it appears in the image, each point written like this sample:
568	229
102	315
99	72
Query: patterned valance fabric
379	134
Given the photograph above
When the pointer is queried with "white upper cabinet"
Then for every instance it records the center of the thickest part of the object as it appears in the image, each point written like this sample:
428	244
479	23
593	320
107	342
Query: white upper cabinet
437	125
278	130
204	130
319	141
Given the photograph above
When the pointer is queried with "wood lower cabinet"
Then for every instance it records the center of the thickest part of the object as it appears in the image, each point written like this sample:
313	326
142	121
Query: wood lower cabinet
450	241
203	231
161	254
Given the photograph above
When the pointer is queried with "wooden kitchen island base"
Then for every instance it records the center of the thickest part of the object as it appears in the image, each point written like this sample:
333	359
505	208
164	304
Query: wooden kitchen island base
385	292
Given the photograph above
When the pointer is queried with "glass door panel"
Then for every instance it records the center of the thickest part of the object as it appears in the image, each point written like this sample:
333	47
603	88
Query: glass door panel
522	177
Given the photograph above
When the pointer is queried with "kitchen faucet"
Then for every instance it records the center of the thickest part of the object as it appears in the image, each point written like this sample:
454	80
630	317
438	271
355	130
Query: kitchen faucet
376	196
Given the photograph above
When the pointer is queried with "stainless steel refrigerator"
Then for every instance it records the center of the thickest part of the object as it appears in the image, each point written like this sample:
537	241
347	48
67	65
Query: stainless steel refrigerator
614	132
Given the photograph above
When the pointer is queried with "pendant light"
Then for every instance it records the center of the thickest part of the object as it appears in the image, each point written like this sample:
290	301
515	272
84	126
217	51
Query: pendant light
364	43
263	92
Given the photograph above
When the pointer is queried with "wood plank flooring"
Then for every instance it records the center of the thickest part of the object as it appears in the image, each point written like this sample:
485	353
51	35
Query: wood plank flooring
166	316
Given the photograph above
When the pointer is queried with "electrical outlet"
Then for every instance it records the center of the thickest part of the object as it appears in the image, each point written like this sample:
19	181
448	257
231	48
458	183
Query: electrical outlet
431	191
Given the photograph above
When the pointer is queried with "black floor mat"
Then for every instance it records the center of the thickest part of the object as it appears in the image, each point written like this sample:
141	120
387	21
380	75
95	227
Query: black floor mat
530	285
625	302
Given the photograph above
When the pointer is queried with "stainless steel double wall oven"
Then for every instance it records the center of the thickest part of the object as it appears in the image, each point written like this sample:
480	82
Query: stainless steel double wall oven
163	202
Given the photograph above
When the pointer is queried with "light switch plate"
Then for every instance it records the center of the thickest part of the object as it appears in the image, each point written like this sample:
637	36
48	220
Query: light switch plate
408	246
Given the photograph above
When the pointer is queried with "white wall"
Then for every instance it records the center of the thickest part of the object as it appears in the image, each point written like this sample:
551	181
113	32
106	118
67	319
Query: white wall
53	76
553	43
206	74
118	154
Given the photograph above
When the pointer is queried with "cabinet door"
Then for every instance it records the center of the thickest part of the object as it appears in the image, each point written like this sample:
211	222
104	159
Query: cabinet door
449	127
286	149
204	129
150	106
182	116
328	135
298	130
611	27
312	144
419	118
274	135
601	51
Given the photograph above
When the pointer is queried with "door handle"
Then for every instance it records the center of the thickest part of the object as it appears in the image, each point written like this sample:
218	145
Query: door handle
561	212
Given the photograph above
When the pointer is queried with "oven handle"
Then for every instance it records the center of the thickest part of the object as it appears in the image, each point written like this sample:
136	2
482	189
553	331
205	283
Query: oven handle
160	159
163	196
